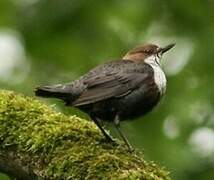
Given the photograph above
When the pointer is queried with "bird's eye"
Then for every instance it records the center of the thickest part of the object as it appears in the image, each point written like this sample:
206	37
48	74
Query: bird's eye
147	51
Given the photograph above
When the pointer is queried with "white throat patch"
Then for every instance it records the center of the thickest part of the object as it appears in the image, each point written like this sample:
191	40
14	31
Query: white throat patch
159	76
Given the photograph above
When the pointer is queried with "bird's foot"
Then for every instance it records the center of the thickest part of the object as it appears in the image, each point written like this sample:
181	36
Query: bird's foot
109	140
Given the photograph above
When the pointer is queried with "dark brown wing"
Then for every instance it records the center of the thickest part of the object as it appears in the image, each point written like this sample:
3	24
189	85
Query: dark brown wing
109	86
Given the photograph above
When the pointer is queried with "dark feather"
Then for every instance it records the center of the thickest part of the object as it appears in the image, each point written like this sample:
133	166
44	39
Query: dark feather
109	86
57	91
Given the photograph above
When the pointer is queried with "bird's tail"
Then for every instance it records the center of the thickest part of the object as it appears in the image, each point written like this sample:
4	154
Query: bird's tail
55	91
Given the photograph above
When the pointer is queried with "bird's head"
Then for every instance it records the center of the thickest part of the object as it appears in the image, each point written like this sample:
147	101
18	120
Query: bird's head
147	53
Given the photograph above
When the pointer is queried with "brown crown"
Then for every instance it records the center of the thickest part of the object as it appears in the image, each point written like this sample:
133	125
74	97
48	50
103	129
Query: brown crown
139	53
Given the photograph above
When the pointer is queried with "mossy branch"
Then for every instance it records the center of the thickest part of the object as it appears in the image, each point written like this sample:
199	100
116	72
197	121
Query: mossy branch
37	142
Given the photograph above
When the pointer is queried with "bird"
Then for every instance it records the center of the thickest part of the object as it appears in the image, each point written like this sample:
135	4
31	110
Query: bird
118	90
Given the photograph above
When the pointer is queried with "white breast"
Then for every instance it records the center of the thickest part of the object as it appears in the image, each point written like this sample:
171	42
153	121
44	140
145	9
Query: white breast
159	76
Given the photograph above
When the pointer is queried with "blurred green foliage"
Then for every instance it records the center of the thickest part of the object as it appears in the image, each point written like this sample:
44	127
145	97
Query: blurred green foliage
64	39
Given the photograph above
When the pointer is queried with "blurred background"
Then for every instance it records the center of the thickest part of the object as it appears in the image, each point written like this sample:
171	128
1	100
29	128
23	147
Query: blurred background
52	41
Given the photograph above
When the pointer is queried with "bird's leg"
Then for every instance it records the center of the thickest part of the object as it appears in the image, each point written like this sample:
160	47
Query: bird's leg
107	136
117	125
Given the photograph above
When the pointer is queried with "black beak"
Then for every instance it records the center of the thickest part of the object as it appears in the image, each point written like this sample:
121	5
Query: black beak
166	48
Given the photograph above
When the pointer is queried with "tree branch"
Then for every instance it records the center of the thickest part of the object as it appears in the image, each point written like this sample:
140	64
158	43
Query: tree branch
37	142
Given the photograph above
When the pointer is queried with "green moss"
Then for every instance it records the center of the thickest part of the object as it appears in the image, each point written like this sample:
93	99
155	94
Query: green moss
65	147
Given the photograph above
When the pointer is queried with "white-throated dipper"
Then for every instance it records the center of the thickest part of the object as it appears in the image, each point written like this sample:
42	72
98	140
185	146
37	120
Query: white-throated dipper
118	90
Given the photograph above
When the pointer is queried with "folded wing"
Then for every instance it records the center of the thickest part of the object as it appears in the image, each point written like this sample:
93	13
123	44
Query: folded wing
112	85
